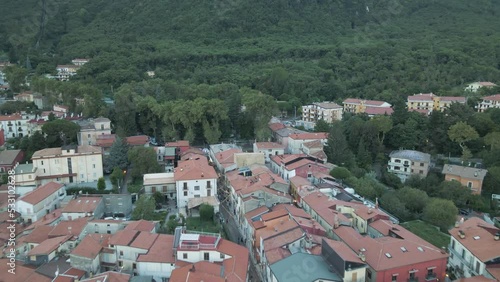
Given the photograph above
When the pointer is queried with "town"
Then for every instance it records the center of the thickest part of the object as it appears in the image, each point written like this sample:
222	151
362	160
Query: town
96	204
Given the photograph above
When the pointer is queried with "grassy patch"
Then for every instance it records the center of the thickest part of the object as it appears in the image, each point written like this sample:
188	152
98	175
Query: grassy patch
428	232
197	224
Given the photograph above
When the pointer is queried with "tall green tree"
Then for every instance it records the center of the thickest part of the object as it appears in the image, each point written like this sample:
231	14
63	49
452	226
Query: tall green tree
143	161
414	200
440	212
337	149
60	132
126	110
144	208
462	133
118	155
16	77
383	125
261	107
101	184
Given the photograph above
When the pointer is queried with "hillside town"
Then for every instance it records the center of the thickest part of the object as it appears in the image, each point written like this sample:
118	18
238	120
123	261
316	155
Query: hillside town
273	211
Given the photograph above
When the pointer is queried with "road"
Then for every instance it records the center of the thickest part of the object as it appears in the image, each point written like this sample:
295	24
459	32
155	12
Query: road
123	186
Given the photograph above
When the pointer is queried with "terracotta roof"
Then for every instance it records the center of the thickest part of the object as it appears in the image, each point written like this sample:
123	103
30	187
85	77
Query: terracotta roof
268	145
109	276
36	196
23	273
379	111
313	144
7	157
194	169
283	239
226	158
180	143
48	246
11	117
144	240
319	155
162	250
69	227
276	254
276	126
275	214
141	225
299	181
137	140
39	234
47	219
480	278
479	238
192	153
486	83
123	237
465	171
422	97
82	205
453	99
309	136
495	97
421	111
284	159
91	245
256	212
301	163
200	271
292	210
343	250
366	102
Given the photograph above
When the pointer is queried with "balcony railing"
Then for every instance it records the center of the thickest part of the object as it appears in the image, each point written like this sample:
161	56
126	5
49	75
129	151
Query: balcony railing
469	265
431	277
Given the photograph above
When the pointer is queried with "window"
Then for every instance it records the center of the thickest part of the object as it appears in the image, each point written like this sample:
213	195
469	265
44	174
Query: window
222	256
397	168
421	164
478	266
463	253
88	135
206	256
120	263
121	253
185	193
209	192
42	162
109	232
44	170
209	184
196	188
368	275
134	266
394	278
421	172
412	275
469	185
185	185
58	179
397	161
430	272
453	244
164	188
309	175
93	166
196	196
184	255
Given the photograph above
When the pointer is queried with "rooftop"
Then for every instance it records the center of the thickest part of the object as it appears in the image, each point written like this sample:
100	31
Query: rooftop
194	169
411	155
180	143
91	245
141	225
160	251
7	157
82	205
39	234
479	238
379	111
109	276
23	273
495	97
309	136
422	97
328	105
465	171
158	178
317	268
268	145
69	227
48	246
57	152
36	196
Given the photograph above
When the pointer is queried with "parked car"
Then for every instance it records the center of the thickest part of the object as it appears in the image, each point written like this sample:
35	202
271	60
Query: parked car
464	212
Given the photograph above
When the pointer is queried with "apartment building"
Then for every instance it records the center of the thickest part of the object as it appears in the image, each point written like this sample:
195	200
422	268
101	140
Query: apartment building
469	177
475	86
65	72
296	140
160	182
327	111
90	130
489	102
268	149
404	163
288	166
475	249
41	201
15	126
69	164
426	103
370	107
222	155
194	178
29	96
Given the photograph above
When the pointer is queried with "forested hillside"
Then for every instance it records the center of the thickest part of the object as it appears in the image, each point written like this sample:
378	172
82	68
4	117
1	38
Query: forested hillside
308	50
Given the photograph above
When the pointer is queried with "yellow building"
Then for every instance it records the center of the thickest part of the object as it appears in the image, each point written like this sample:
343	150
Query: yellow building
426	103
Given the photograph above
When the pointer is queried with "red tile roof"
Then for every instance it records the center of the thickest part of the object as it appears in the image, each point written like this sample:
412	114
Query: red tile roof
23	273
453	99
180	143
144	240
226	158
309	136
69	227
379	111
39	234
162	250
422	97
36	196
82	205
11	117
109	276
49	245
137	140
276	126
91	245
495	97
343	250
141	225
123	237
486	83
269	145
259	211
194	169
275	214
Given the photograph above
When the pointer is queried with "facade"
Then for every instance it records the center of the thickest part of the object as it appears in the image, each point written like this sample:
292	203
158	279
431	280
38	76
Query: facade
86	256
9	159
194	178
474	249
69	164
47	250
475	86
41	201
268	149
160	182
488	102
370	107
288	166
469	177
405	163
15	125
25	175
327	111
426	103
91	130
296	141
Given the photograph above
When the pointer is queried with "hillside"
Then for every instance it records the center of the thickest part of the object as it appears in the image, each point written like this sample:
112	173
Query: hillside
294	50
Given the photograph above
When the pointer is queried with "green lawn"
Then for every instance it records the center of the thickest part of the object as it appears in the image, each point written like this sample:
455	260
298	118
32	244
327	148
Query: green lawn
196	224
428	232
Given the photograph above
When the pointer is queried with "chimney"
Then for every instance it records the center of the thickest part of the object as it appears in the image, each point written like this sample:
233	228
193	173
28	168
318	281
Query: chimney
370	211
362	256
193	269
461	233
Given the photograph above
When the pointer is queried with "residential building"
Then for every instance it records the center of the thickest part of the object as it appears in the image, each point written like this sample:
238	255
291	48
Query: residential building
29	96
86	256
326	111
24	273
160	182
288	166
295	141
41	201
105	226
180	146
64	72
79	62
69	164
474	249
404	163
426	103
222	155
166	157
246	159
281	135
194	178
268	149
25	175
9	159
83	207
46	251
14	126
488	102
91	129
469	177
315	150
475	86
370	107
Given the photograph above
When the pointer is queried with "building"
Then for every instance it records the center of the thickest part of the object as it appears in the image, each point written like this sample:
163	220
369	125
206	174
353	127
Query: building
315	150
426	103
296	141
475	86
288	166
29	96
370	107
327	111
69	164
488	102
222	155
83	207
405	163
16	125
90	130
474	249
25	175
469	177
46	251
79	62
160	182
86	256
41	201
268	149
64	72
9	159
194	178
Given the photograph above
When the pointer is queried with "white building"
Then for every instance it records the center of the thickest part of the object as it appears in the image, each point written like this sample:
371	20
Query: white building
79	62
160	182
25	175
194	178
64	72
15	125
296	140
268	149
405	163
69	164
488	102
475	86
474	249
91	129
41	201
327	111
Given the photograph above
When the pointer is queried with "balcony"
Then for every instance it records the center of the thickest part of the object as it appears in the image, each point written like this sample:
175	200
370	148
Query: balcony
415	279
431	277
469	267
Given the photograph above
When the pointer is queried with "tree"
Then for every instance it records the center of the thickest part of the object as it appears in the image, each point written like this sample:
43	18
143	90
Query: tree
126	110
492	181
60	132
322	126
492	139
461	133
440	212
16	76
337	149
101	184
144	208
391	180
206	212
143	161
261	107
211	132
363	157
159	198
455	192
341	173
383	125
391	202
118	156
414	200
116	176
